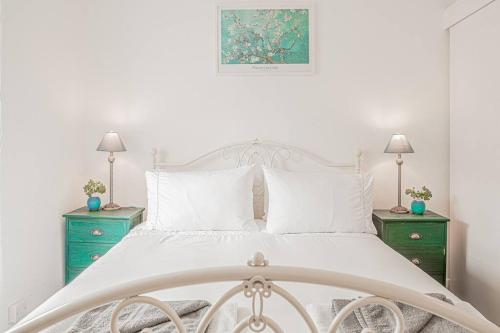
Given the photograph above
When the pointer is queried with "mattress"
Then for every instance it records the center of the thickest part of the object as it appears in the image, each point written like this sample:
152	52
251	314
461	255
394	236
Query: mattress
146	253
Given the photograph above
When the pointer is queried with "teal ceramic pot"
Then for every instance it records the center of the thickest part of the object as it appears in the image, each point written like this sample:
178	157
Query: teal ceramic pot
418	207
94	203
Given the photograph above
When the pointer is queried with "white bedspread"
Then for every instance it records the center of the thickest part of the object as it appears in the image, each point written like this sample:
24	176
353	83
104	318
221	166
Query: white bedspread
145	252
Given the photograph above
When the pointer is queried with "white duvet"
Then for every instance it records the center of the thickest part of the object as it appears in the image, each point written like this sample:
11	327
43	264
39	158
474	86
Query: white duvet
147	252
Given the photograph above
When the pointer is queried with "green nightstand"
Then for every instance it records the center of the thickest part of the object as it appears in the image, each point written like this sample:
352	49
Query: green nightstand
89	235
420	238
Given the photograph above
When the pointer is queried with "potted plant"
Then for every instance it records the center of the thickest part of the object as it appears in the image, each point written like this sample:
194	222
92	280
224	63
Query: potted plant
419	199
92	187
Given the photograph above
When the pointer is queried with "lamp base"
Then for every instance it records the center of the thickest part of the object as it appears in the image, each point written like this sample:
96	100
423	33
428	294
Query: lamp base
111	206
399	210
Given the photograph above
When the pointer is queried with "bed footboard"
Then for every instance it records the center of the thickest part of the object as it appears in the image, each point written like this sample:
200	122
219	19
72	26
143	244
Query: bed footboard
258	281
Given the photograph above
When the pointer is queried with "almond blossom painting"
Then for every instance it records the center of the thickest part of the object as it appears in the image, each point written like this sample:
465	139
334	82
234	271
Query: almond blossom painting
264	40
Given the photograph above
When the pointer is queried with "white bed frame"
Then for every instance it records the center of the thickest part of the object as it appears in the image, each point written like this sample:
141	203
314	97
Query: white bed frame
258	280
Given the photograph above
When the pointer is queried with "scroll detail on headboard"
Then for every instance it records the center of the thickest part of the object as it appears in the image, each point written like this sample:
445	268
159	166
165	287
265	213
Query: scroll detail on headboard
266	153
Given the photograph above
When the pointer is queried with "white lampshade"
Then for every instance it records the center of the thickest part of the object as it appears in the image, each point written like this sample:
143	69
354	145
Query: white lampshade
111	142
398	145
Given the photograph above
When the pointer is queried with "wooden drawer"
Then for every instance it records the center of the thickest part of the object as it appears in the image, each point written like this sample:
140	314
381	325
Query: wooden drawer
73	273
439	277
90	235
430	259
81	255
415	234
96	231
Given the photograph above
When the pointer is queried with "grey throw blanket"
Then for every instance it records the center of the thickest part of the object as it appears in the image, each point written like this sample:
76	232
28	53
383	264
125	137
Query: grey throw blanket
136	317
380	319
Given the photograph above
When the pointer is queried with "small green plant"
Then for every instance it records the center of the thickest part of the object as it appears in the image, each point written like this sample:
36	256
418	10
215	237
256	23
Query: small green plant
425	194
94	186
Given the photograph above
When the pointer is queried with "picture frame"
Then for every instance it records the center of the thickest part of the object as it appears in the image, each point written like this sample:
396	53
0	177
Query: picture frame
265	38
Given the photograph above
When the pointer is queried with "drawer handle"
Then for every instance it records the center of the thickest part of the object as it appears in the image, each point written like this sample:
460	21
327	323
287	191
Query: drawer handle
416	261
415	236
95	257
97	232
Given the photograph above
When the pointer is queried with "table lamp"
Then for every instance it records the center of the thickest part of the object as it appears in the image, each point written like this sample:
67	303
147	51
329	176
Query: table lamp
399	145
112	143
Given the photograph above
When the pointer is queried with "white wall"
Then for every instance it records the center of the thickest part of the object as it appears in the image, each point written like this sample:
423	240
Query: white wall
382	67
475	157
41	158
146	69
1	165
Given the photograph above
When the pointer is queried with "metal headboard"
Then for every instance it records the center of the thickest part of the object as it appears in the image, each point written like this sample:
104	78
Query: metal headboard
259	152
266	153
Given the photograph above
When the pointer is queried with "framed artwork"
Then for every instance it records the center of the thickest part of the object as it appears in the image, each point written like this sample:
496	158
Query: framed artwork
265	38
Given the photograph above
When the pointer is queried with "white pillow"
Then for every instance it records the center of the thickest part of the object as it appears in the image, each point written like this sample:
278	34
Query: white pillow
207	200
302	202
254	226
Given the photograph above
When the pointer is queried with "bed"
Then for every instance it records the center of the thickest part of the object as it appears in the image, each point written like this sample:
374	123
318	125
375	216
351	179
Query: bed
286	274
